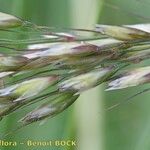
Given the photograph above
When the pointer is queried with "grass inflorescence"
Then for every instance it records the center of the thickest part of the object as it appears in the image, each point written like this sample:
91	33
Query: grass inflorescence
57	65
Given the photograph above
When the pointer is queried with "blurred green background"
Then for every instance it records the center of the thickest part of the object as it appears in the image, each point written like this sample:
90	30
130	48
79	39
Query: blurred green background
87	121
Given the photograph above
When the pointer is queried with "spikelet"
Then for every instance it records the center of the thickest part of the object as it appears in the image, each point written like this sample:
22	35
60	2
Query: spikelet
9	21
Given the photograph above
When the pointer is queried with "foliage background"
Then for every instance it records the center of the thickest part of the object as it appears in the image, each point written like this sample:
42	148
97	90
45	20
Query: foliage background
87	121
